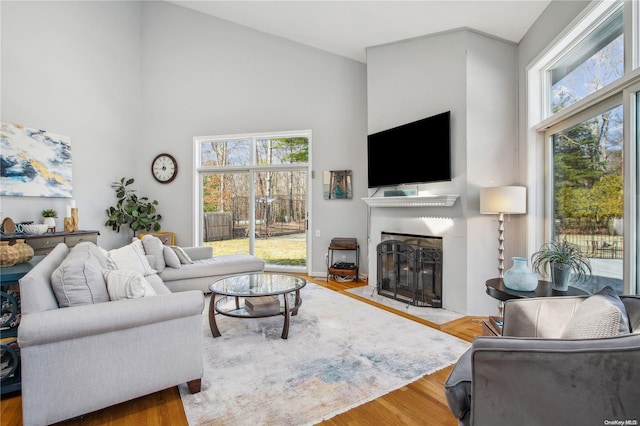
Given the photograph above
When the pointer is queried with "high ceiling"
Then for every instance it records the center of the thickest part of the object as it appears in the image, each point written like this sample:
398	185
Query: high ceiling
346	28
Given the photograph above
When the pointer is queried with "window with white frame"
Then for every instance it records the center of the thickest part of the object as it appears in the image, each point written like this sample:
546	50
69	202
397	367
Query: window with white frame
592	63
589	160
250	188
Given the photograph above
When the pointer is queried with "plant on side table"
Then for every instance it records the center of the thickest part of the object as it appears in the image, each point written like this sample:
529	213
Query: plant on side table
561	258
139	213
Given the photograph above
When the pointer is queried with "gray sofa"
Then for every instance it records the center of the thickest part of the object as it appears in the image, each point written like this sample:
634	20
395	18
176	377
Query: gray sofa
83	349
552	366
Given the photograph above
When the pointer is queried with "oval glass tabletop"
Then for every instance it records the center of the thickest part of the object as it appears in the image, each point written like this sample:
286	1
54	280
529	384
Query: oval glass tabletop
258	284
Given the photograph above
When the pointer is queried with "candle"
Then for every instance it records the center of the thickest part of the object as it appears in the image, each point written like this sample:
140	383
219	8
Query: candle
73	204
68	212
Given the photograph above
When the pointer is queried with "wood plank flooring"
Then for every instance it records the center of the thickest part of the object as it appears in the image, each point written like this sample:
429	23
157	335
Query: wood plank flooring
419	403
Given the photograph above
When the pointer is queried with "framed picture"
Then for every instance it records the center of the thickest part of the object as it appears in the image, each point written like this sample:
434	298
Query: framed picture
337	185
34	162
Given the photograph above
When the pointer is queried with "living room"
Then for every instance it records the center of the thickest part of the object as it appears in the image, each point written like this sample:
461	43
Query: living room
129	80
106	86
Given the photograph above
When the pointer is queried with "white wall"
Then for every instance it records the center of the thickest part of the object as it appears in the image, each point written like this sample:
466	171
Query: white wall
73	68
129	80
474	77
205	76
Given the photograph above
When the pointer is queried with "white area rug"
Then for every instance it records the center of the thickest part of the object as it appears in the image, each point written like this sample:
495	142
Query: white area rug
340	353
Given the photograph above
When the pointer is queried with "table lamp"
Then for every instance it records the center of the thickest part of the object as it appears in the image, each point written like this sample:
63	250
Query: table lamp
503	200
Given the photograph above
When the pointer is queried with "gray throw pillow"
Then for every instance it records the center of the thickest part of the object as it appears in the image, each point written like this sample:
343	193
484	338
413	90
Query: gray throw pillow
154	247
601	315
171	258
79	280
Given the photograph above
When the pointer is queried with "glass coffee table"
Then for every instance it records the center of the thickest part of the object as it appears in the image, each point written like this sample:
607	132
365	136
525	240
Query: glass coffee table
256	295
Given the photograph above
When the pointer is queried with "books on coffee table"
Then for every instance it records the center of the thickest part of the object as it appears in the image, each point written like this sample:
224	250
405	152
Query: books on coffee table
262	304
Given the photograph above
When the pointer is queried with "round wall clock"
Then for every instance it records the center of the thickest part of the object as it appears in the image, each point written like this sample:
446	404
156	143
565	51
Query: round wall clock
164	168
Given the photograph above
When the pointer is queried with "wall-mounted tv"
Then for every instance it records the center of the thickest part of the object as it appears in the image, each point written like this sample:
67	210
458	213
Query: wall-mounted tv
417	152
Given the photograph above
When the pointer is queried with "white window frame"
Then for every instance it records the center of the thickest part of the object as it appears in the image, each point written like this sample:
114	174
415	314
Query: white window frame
540	127
201	170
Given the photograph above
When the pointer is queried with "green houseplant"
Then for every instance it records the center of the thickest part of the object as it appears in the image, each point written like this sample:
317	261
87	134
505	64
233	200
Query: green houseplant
49	213
561	258
49	216
139	213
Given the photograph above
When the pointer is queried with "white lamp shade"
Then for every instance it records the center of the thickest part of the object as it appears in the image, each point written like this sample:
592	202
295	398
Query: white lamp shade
503	199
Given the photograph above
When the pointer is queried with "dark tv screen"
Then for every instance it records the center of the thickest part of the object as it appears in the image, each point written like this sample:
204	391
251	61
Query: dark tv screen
417	152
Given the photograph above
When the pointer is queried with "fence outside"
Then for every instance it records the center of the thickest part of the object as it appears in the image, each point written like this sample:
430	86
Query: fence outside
280	215
217	226
597	246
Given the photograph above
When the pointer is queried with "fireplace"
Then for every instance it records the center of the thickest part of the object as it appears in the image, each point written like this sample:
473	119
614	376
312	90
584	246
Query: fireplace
410	269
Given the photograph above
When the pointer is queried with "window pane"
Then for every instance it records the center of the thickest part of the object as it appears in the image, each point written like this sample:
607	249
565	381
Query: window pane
225	153
281	217
226	212
282	151
588	194
592	64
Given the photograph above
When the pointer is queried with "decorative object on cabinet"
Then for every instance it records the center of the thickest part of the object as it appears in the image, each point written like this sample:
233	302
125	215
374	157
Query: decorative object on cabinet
34	228
137	212
8	254
503	200
25	251
562	258
164	168
8	226
343	269
49	216
337	185
22	146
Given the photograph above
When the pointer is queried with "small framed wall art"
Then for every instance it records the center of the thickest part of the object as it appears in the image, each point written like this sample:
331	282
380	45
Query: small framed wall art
337	185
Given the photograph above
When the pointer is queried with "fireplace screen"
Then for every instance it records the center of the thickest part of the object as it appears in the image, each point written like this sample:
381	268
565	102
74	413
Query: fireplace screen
410	269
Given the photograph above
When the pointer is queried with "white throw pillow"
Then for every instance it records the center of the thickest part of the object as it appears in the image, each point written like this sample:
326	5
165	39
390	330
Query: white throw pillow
125	284
182	255
132	257
601	315
111	264
171	258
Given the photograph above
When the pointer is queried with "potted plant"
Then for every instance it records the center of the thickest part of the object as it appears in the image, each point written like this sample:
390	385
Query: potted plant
49	216
561	258
137	212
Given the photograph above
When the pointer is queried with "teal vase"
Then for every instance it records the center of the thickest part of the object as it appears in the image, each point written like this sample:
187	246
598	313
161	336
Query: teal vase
519	277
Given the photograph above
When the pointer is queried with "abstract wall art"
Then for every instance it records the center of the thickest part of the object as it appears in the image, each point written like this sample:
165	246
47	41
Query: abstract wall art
34	163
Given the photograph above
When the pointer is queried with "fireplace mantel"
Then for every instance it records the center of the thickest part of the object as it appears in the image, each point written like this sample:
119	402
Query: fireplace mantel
413	201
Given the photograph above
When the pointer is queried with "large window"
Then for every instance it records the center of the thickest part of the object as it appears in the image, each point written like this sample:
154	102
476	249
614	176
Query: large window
594	62
253	196
587	122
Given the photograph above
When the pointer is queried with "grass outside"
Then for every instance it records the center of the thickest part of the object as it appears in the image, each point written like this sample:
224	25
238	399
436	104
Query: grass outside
276	251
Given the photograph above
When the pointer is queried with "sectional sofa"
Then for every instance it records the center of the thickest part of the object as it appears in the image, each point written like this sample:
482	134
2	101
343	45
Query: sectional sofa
99	328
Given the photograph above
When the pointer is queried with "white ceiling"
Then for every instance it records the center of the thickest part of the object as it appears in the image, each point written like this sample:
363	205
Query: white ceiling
346	28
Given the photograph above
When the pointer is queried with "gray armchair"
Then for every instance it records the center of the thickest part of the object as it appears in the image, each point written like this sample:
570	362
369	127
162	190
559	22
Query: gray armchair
534	375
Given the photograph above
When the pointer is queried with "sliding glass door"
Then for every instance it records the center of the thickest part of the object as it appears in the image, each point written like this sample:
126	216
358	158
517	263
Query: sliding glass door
253	192
588	193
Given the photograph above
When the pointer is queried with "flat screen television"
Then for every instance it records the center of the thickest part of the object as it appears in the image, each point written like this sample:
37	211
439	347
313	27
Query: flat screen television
417	152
